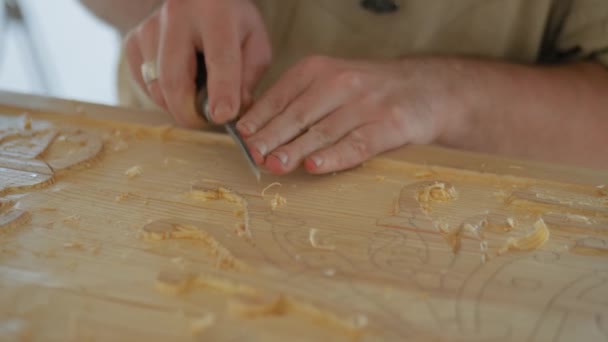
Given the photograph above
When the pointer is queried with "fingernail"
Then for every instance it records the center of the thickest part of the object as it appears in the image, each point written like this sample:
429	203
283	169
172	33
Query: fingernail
261	147
318	161
222	111
246	128
282	156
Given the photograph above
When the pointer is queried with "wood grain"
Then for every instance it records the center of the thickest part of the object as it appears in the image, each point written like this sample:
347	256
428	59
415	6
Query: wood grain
81	267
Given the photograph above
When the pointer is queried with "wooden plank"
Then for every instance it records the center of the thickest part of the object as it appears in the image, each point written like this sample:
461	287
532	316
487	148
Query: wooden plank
354	254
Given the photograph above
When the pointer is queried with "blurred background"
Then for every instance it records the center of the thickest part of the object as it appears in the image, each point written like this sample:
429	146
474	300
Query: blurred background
57	48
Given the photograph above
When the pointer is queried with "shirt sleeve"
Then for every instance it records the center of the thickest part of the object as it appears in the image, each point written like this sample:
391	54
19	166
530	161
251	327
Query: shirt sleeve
584	34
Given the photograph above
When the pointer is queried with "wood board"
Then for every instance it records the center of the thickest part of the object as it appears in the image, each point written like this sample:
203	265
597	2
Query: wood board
350	256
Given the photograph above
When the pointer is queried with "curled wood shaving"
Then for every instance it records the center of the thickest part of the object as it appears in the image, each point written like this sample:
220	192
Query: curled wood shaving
602	190
270	186
314	242
529	242
134	171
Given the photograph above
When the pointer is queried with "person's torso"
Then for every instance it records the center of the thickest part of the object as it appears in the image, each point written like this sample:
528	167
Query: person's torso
508	29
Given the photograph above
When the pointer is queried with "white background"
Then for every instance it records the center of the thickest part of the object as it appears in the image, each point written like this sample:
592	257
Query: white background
79	52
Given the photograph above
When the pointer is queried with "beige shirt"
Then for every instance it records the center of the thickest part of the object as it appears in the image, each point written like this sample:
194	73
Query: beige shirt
520	31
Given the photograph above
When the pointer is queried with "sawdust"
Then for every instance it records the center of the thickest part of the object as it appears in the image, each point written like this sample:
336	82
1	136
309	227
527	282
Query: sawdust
248	302
202	193
435	193
316	243
166	230
134	171
531	241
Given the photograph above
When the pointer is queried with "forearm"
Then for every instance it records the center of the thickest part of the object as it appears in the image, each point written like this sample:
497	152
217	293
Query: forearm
555	114
122	14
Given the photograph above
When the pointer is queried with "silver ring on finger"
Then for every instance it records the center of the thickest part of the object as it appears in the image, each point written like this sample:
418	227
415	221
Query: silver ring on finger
149	71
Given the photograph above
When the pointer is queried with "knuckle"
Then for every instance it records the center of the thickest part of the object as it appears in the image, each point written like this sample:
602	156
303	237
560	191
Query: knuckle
358	143
396	117
322	134
348	78
301	119
276	104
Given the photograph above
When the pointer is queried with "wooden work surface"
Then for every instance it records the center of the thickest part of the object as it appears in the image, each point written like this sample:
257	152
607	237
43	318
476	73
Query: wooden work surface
380	252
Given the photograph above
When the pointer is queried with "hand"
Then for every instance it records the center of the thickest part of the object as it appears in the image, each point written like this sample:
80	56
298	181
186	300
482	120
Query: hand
333	114
237	51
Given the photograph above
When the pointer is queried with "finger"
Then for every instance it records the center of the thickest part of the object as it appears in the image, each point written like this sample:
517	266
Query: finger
294	82
177	69
256	58
303	112
323	134
356	147
148	38
135	60
222	48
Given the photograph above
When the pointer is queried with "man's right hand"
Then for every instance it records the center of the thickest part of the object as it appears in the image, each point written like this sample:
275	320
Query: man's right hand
232	36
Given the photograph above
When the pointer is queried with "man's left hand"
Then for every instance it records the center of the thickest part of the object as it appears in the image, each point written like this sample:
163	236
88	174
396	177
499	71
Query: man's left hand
334	114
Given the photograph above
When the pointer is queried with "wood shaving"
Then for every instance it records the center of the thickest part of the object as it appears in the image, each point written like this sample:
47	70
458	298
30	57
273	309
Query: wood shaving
174	282
602	190
73	220
380	178
436	192
252	306
578	218
277	202
73	245
330	272
201	324
263	193
511	222
123	196
27	121
451	236
424	174
134	171
315	243
532	241
120	145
